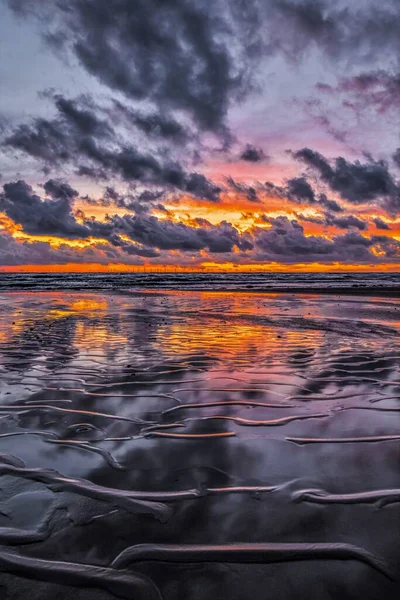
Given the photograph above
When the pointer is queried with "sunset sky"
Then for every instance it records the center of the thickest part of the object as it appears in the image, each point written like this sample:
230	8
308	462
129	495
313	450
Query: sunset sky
193	134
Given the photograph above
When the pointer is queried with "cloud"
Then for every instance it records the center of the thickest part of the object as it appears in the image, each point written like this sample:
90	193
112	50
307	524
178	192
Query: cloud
285	242
311	219
176	68
60	190
167	235
379	89
191	56
396	157
343	222
346	222
78	136
296	189
198	185
156	125
380	224
71	134
197	57
299	188
16	252
52	216
253	154
140	202
132	249
300	191
339	31
329	204
249	191
356	182
130	237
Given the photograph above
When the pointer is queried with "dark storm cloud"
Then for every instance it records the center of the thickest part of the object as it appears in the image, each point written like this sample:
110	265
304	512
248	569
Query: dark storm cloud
78	136
187	55
276	191
285	242
139	201
248	191
315	160
299	190
184	60
190	57
356	182
296	189
94	173
155	124
306	22
310	219
149	235
42	217
18	253
65	137
388	246
193	54
196	57
132	249
329	204
53	216
381	224
252	154
146	236
346	222
13	253
59	189
200	186
43	140
82	118
167	235
396	157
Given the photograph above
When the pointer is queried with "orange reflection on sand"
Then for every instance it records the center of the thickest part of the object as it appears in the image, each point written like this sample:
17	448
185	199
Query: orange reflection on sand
232	321
89	334
233	327
54	306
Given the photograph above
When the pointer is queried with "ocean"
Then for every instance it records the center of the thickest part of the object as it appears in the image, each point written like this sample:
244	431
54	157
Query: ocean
356	282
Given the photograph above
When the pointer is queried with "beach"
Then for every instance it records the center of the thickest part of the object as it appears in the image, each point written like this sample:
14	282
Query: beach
167	441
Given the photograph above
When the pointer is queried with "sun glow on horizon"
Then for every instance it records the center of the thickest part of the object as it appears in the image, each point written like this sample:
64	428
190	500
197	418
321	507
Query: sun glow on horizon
205	267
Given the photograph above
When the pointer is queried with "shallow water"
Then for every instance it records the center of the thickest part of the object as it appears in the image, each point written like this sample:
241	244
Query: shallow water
246	445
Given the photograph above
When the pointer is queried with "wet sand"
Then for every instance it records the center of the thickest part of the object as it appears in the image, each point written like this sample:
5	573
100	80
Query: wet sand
199	445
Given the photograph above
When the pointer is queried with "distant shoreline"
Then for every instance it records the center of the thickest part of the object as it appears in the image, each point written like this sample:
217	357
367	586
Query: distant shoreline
388	292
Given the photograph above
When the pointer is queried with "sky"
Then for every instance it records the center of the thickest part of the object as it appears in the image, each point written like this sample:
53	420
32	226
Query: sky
189	134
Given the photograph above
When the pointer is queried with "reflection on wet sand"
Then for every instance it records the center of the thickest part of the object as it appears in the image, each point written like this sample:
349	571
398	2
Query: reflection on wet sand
199	445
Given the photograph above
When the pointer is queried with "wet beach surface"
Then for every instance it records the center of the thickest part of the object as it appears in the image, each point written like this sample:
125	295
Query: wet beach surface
171	444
